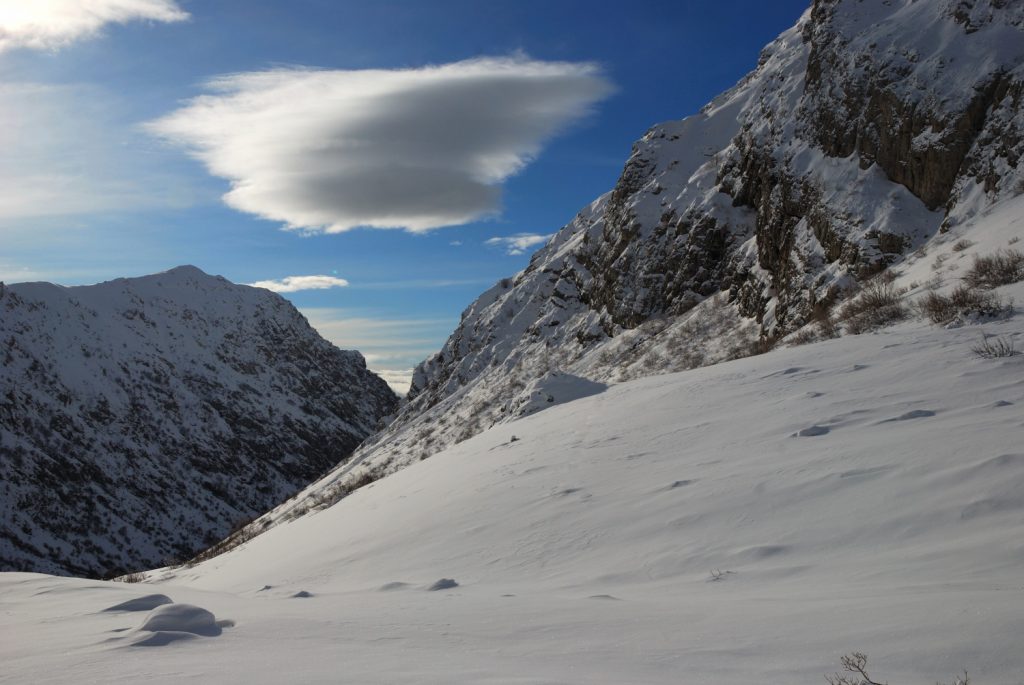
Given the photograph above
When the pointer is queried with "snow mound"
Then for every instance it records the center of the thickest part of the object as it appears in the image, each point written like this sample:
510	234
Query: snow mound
144	603
174	622
549	390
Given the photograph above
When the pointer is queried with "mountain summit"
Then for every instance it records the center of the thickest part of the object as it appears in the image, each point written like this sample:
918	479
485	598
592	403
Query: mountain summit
140	418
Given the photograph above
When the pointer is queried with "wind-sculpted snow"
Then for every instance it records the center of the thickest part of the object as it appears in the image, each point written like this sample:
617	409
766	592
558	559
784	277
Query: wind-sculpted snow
869	132
141	418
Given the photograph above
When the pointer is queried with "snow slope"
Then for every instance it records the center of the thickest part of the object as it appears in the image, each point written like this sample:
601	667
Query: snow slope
141	418
863	493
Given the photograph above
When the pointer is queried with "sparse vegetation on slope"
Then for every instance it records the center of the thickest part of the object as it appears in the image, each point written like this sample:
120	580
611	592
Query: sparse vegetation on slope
1001	268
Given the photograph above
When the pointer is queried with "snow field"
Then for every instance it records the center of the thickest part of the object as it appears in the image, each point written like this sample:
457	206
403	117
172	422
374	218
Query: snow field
672	529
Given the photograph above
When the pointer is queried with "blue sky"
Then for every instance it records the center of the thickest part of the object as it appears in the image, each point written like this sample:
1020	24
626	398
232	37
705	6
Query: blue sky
503	118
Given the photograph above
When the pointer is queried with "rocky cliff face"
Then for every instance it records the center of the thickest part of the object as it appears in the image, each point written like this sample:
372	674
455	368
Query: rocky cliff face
864	132
141	418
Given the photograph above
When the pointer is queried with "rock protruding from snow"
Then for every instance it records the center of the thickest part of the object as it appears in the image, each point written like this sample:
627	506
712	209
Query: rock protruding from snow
141	418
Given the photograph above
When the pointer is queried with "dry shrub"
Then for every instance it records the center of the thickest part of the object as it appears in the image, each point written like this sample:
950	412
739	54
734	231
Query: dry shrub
236	538
333	494
761	345
805	336
856	664
942	309
876	306
991	271
991	347
136	577
821	316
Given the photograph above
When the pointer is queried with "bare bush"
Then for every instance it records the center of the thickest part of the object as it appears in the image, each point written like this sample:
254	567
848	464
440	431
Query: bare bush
238	537
761	345
886	276
856	663
992	347
962	301
876	306
336	492
136	577
821	316
961	245
871	270
1001	268
806	335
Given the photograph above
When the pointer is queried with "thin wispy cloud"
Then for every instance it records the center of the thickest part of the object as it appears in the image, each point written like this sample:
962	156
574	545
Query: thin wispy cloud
392	347
422	284
519	243
330	150
53	24
16	273
68	150
293	284
399	379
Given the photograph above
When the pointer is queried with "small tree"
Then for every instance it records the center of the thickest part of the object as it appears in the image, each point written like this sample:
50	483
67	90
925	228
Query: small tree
857	664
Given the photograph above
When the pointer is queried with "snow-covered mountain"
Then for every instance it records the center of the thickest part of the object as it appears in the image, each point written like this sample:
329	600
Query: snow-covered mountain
870	131
141	418
552	517
744	523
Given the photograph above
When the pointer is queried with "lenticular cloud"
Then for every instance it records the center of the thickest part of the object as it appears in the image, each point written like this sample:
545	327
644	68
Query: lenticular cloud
294	284
416	149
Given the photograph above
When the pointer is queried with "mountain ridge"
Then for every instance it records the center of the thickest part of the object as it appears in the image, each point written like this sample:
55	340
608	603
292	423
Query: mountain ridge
140	418
866	133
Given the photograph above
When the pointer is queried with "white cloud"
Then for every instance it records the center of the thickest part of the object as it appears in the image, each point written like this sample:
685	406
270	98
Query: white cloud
71	150
519	243
329	151
15	273
398	379
293	284
52	24
392	347
421	283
